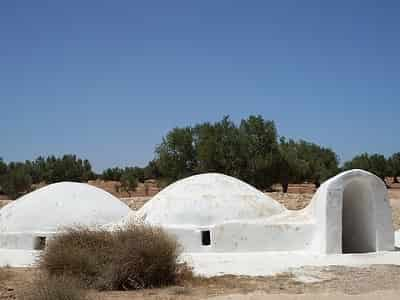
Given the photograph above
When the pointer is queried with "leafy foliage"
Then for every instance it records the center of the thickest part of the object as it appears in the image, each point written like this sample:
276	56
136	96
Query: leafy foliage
375	163
16	178
16	181
176	154
250	151
394	166
129	180
292	167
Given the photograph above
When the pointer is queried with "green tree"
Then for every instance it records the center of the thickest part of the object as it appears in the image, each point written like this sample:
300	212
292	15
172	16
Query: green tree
292	168
3	173
38	170
3	167
129	182
217	147
259	145
17	181
113	174
394	166
175	155
375	163
151	171
67	168
322	163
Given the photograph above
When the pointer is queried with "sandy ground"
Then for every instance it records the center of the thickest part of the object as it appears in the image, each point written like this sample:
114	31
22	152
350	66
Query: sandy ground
377	282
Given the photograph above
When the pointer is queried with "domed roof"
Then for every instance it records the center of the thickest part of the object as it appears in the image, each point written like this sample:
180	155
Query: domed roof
61	205
207	199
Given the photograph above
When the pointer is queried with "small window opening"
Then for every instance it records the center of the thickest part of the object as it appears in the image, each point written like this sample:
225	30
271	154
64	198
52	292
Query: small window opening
40	243
206	238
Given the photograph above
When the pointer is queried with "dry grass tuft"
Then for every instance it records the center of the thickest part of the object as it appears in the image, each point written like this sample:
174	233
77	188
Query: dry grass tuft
54	288
133	258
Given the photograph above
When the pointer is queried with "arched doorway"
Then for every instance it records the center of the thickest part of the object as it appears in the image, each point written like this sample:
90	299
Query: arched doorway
358	218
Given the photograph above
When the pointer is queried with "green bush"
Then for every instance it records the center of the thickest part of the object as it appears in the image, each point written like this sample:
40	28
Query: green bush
133	258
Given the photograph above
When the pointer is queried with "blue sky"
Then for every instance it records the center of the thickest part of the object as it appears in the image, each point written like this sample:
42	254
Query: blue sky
107	79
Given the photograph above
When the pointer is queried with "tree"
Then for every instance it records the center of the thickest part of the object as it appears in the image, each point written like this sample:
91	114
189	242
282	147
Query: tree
151	171
67	168
175	155
321	163
376	164
3	173
113	174
87	173
292	168
17	181
217	147
259	144
38	170
3	167
129	182
394	166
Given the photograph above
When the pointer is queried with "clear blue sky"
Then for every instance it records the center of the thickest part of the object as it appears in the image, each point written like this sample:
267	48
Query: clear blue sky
107	79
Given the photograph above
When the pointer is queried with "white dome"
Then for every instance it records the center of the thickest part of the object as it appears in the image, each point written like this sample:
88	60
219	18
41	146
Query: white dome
61	205
207	199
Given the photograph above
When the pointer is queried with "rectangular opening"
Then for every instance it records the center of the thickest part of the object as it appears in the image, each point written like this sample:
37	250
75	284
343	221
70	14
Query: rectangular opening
206	238
40	243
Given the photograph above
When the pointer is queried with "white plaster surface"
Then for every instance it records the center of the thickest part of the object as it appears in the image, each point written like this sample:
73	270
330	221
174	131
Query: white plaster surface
350	212
397	238
61	204
272	263
208	199
18	258
42	213
362	198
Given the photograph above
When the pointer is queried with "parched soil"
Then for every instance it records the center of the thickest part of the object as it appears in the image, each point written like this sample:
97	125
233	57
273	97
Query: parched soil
333	280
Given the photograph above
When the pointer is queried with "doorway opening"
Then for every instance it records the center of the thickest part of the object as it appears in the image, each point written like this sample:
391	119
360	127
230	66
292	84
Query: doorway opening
358	219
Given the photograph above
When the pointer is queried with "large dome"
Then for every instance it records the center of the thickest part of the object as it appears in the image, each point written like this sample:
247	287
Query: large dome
61	205
208	199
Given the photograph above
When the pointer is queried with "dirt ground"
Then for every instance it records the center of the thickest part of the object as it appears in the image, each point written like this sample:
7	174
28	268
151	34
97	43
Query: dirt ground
335	281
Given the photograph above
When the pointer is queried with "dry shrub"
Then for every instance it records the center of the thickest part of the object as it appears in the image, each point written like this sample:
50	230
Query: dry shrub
78	252
54	288
133	258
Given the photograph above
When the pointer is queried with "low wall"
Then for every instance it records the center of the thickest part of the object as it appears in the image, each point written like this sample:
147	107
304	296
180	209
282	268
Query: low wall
245	237
24	241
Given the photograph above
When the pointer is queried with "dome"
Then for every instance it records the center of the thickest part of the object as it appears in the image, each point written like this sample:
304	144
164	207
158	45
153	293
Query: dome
61	205
207	199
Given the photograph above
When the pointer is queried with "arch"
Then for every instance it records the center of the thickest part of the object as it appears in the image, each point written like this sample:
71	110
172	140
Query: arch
352	214
358	218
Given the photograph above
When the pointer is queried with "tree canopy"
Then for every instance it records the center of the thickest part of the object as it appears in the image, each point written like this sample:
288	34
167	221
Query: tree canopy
375	163
250	150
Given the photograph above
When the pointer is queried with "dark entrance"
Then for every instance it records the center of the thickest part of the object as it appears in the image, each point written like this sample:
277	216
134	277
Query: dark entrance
358	219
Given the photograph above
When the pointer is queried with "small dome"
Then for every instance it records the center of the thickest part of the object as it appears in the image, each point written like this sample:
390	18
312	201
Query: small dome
207	199
61	205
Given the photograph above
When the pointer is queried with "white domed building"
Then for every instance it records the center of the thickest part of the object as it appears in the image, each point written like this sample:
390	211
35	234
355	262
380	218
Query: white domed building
218	213
27	223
